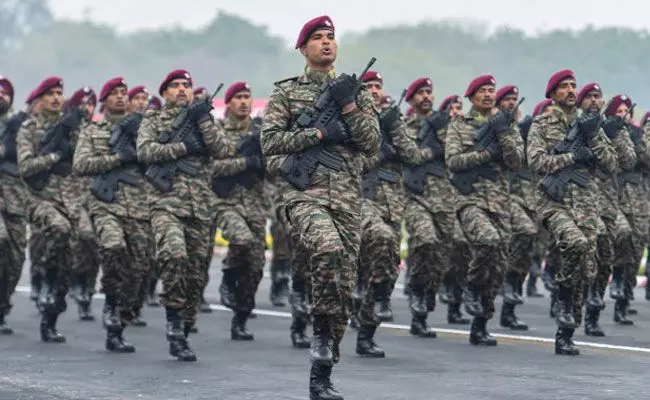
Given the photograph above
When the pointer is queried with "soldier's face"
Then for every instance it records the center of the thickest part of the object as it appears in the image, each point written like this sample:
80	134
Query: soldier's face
320	49
621	111
35	107
139	103
593	102
483	98
52	100
376	89
508	102
240	105
5	97
455	110
90	110
564	95
422	100
179	92
116	102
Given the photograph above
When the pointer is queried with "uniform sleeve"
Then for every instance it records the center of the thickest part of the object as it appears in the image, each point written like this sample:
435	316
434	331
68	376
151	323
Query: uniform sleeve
512	148
29	162
85	162
369	163
215	139
150	151
539	159
605	152
364	125
643	147
276	137
228	166
625	153
455	159
406	147
273	164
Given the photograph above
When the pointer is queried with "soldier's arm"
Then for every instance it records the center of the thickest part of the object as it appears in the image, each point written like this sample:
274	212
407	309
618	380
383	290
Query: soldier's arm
406	147
228	166
364	125
643	147
215	139
29	162
85	162
273	164
625	150
149	150
604	151
276	137
512	148
369	163
455	159
539	158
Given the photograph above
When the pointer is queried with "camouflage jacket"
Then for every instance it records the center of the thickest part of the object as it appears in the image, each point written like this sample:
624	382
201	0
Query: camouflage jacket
250	199
63	191
191	196
545	132
492	196
632	198
329	188
12	191
93	157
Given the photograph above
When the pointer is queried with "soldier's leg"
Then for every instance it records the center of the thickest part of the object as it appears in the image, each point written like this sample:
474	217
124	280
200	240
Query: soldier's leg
457	275
595	290
487	236
299	297
85	253
230	222
628	257
139	251
204	307
280	263
12	239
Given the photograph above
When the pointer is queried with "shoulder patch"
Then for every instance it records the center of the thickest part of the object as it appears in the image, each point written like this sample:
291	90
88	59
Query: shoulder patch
285	81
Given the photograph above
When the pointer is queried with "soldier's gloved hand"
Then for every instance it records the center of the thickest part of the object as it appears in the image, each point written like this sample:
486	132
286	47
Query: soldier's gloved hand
254	163
388	152
635	134
612	126
588	125
495	151
438	120
342	89
583	155
194	144
335	132
500	122
388	117
200	109
127	155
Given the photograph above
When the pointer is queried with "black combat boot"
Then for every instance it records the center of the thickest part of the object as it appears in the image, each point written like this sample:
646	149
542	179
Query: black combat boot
446	291
203	305
114	327
49	334
4	328
472	300
299	338
620	314
320	385
420	328
152	297
115	342
298	299
238	330
510	320
454	316
228	287
137	320
564	308
616	289
354	315
84	301
593	296
548	278
36	281
531	287
279	292
510	292
177	336
417	299
322	342
478	334
551	310
592	314
564	344
366	346
382	310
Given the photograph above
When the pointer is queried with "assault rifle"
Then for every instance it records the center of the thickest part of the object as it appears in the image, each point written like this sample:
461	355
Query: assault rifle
183	127
8	132
297	168
122	142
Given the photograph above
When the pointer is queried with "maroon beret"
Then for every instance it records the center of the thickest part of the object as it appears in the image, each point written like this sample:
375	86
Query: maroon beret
200	90
7	86
109	86
322	22
30	99
479	81
415	86
372	76
541	106
47	84
448	101
593	86
137	90
506	90
176	74
154	103
78	97
616	102
556	78
234	89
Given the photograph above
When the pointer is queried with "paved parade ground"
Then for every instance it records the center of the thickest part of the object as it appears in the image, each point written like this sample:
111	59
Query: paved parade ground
522	366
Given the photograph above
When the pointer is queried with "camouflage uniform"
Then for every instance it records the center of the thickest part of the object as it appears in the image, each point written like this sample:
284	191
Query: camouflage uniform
12	230
281	261
327	215
572	223
485	213
122	225
241	215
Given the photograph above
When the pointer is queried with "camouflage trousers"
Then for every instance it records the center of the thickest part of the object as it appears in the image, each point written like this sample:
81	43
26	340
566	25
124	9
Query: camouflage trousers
152	273
281	241
85	251
521	247
181	246
630	259
430	244
459	263
331	239
245	233
50	251
12	243
378	256
205	270
488	235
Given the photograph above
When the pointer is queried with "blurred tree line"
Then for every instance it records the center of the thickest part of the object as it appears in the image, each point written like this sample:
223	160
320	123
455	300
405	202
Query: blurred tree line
230	48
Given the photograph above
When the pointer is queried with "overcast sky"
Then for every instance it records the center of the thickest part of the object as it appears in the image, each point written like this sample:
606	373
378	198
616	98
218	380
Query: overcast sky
285	17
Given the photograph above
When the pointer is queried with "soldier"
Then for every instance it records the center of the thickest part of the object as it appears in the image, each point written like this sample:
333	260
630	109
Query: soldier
180	208
12	203
138	99
281	261
326	213
484	212
523	224
572	224
381	218
154	102
118	209
85	250
45	169
238	182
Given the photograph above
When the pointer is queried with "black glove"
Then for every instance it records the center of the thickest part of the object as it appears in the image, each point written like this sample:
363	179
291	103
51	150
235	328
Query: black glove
612	126
335	132
588	125
495	151
388	152
500	122
388	117
635	134
342	89
127	154
255	163
438	120
583	155
65	150
200	110
524	127
194	143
